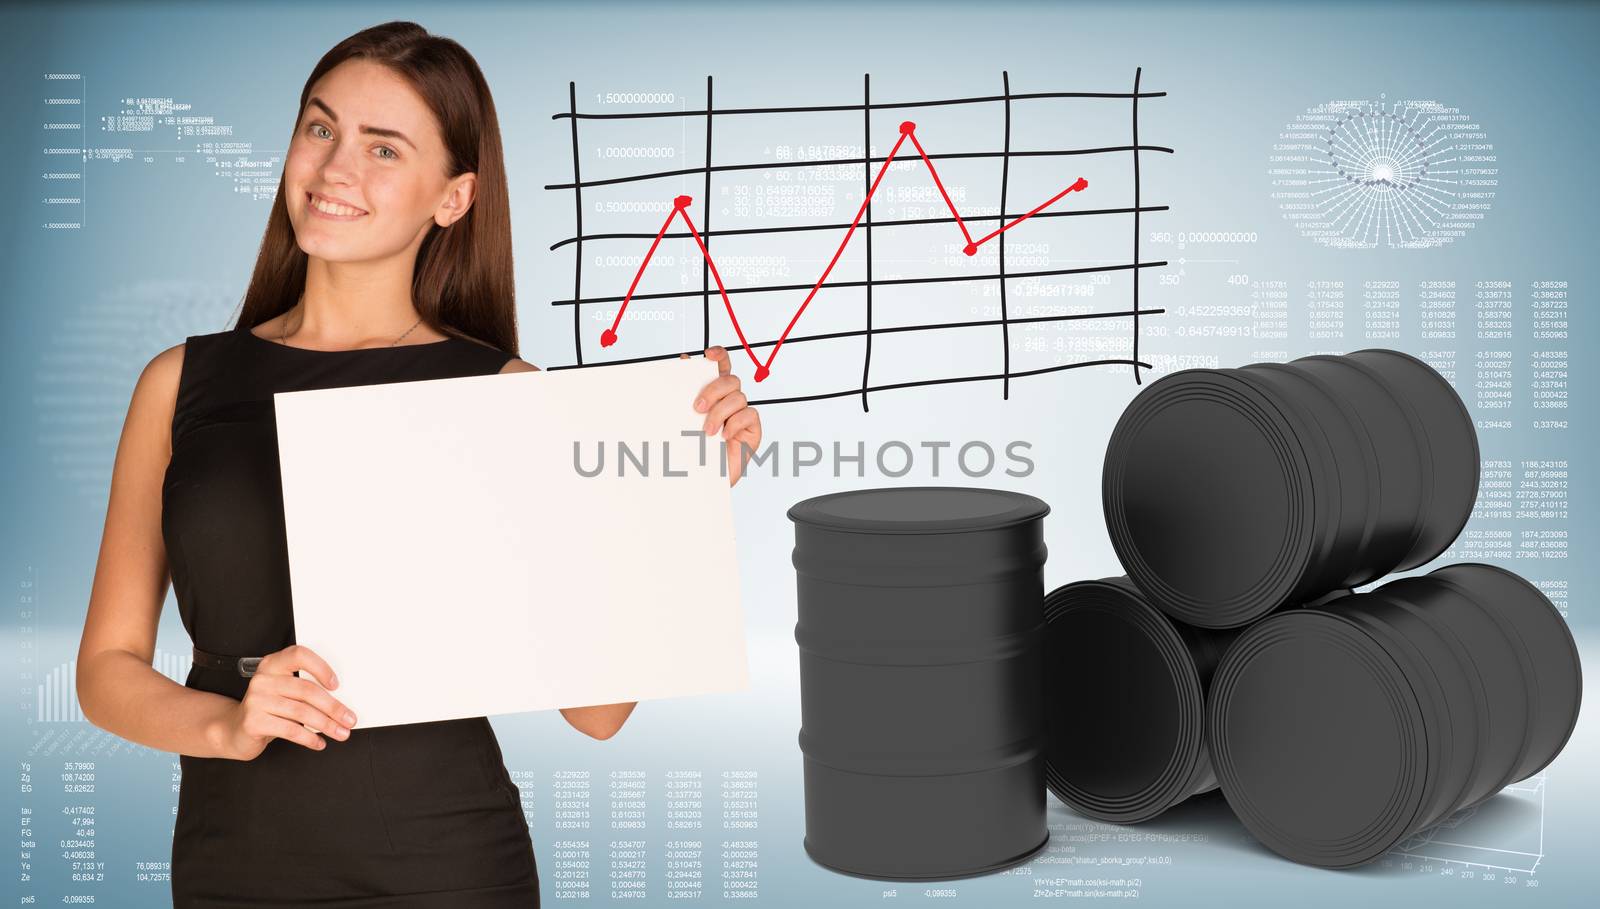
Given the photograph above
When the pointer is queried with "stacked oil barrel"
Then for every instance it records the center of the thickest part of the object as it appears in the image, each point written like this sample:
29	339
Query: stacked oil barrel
943	692
1244	505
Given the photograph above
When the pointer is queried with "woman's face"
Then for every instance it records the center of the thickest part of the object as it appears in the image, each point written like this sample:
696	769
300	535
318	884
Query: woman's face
368	152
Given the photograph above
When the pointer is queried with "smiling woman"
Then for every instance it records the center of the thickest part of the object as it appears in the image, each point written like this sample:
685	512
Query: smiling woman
386	258
395	159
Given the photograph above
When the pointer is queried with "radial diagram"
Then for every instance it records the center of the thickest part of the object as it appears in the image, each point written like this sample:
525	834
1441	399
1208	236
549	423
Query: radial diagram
1404	174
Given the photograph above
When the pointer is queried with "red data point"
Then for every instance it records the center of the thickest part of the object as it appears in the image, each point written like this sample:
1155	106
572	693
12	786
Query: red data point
762	372
608	338
682	201
971	250
907	127
1080	185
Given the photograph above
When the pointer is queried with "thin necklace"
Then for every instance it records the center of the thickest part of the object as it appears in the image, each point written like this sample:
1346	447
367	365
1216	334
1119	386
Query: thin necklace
284	333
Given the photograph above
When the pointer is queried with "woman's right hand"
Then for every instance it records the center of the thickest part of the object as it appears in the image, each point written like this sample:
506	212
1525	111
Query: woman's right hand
278	702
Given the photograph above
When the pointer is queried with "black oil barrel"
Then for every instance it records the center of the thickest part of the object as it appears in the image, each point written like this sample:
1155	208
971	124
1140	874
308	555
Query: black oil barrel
1231	492
919	628
1124	702
1341	730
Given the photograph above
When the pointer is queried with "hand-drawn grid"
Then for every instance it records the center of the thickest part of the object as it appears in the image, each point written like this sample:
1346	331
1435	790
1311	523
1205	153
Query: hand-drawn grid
704	234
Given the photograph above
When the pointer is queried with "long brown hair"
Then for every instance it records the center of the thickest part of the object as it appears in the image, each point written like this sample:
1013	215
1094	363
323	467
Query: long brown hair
463	282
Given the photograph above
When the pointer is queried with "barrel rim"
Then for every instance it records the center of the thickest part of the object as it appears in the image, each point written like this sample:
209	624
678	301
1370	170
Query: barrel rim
1418	780
810	513
1420	444
1459	523
1571	721
1236	390
1375	610
1172	785
991	868
1514	647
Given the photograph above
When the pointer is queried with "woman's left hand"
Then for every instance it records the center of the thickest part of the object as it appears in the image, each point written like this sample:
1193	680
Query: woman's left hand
728	412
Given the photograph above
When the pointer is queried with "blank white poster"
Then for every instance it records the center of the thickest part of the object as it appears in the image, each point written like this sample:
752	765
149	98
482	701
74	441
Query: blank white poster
448	557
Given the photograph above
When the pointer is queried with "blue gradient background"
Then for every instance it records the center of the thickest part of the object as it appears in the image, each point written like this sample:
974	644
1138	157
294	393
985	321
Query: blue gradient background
167	249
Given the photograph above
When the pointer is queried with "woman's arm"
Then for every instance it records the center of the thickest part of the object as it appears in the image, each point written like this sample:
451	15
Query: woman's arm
118	688
600	721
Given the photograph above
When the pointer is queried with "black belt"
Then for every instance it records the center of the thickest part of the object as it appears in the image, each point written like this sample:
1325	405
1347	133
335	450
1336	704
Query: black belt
245	666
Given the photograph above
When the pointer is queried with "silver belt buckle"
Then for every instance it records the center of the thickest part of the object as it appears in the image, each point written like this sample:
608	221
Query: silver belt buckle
247	666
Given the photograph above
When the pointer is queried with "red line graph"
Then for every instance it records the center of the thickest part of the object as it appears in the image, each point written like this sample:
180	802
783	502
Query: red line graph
680	208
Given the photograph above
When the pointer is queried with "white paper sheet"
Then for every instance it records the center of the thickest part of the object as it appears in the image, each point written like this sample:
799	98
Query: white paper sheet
448	559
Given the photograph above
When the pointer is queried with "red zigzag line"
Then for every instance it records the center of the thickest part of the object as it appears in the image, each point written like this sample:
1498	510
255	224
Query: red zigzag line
680	208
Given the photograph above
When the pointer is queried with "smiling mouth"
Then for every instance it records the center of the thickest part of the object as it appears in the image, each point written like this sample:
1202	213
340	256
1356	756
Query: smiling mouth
332	209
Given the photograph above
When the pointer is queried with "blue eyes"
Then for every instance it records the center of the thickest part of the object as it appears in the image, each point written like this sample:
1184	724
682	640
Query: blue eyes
392	156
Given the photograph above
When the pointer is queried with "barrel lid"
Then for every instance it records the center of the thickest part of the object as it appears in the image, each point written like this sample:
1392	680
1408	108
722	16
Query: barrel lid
1319	739
918	509
1124	730
1216	448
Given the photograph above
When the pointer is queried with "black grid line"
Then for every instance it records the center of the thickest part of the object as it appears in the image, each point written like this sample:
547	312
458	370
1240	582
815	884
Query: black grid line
880	330
866	177
1137	72
880	282
1005	179
899	222
705	222
951	380
577	201
826	108
867	159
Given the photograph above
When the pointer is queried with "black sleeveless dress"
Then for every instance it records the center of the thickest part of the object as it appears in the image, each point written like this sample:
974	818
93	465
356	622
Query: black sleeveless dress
414	815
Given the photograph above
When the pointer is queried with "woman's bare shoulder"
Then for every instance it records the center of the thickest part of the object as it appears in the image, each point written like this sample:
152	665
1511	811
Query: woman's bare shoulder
147	430
158	382
169	362
155	394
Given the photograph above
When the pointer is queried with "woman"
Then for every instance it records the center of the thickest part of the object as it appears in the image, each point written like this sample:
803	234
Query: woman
387	257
